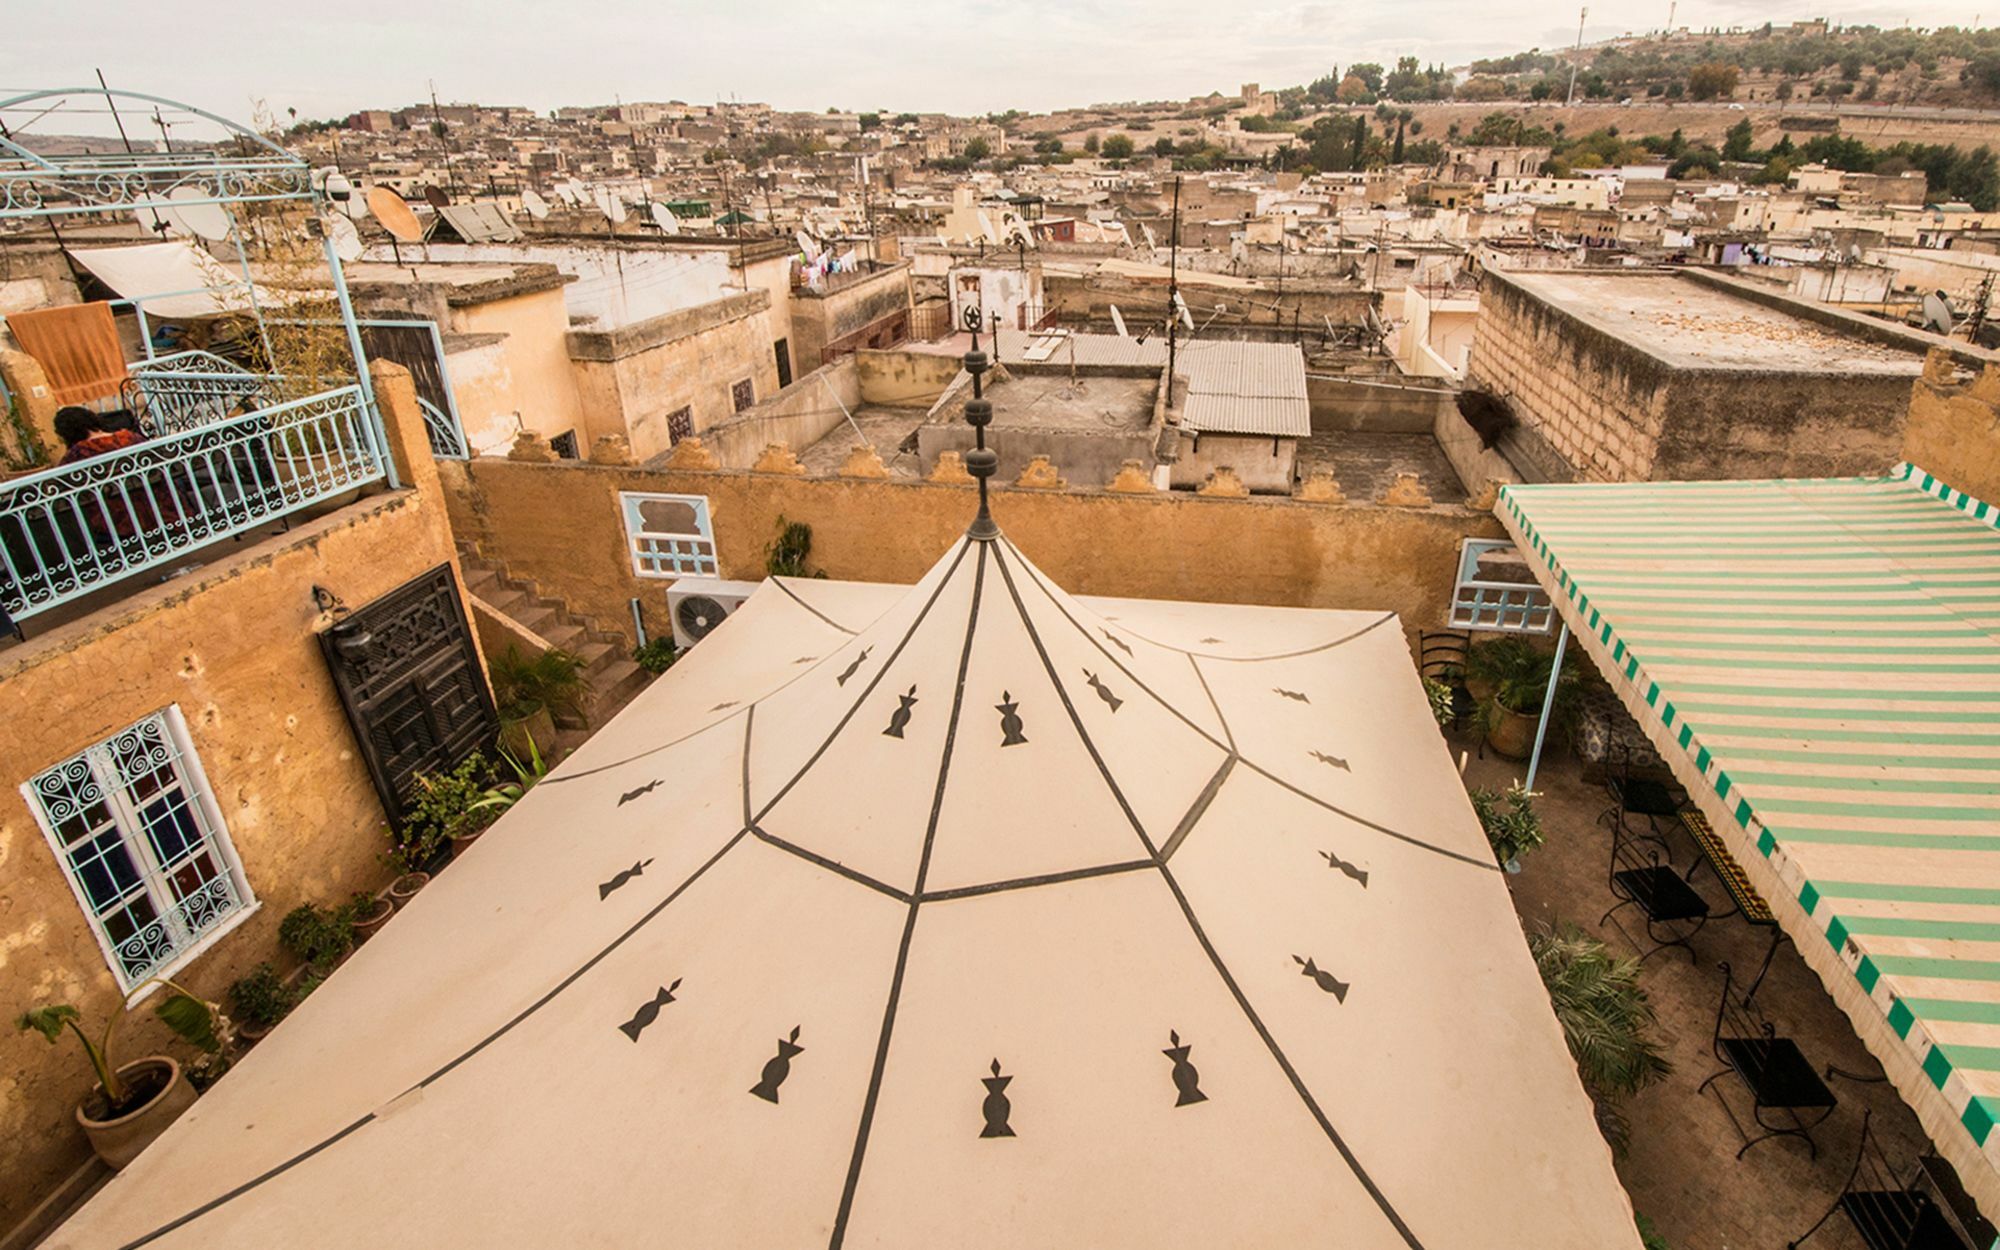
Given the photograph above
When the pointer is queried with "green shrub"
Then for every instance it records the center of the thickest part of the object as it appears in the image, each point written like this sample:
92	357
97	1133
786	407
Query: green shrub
1606	1018
260	997
1513	827
658	655
317	936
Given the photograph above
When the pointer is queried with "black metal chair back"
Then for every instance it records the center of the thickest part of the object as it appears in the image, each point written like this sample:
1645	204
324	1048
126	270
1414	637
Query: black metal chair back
1887	1211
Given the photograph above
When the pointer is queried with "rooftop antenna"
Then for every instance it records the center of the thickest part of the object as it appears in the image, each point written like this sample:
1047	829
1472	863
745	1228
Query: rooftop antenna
981	462
164	125
1173	288
116	119
1576	57
437	118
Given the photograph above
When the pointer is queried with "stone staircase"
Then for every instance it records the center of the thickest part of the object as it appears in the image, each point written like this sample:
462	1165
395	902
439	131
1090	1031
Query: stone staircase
607	664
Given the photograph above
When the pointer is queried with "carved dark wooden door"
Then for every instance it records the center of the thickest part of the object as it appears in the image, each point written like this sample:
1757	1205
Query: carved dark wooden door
409	679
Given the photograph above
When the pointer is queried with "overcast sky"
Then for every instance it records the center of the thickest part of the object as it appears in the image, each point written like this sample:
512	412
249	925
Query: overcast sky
333	56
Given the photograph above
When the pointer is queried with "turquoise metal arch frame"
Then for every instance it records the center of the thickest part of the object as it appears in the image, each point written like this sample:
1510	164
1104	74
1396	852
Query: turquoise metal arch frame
219	468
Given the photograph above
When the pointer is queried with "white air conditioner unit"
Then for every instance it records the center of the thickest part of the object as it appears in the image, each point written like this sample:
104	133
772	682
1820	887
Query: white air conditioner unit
699	604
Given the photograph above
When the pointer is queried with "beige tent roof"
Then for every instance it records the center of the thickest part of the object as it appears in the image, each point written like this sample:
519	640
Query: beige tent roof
961	915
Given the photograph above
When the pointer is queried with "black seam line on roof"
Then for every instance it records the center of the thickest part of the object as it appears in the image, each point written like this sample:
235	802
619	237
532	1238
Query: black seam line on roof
1198	808
1233	659
779	582
1366	823
631	759
909	922
248	1185
1000	558
482	1044
832	866
1220	719
1285	1063
743	780
1026	883
963	546
1115	662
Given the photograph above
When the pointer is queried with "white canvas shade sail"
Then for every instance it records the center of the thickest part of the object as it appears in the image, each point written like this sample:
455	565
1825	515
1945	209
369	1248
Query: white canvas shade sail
176	279
968	914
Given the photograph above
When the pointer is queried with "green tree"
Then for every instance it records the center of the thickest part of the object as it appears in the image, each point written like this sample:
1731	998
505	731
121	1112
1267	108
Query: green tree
1370	75
1090	143
1712	80
977	149
1699	161
1048	145
1360	148
1118	147
1736	144
1162	146
870	121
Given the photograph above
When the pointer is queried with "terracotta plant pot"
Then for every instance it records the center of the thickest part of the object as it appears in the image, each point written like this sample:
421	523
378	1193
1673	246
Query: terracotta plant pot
462	842
250	1034
118	1141
366	925
540	725
405	887
1511	733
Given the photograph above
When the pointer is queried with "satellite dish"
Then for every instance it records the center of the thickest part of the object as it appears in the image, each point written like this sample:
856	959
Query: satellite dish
537	207
1118	320
394	214
806	246
613	207
664	218
1147	230
345	238
208	220
1180	306
435	197
1937	312
986	227
576	192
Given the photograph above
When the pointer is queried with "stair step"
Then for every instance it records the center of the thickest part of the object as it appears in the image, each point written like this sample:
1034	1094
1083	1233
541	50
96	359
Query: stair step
535	618
595	656
562	635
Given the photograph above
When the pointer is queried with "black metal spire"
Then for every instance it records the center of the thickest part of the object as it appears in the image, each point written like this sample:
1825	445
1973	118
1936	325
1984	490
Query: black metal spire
982	461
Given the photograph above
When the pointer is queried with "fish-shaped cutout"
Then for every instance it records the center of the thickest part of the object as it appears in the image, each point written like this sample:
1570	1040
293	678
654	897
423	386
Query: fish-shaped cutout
805	659
1115	641
641	792
1331	761
1186	1079
624	875
899	720
726	703
778	1067
649	1011
1322	978
851	669
1111	701
1289	694
1209	642
1340	865
996	1107
1010	721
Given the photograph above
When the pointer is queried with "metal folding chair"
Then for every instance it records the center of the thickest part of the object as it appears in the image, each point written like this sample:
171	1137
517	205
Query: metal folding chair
1775	1072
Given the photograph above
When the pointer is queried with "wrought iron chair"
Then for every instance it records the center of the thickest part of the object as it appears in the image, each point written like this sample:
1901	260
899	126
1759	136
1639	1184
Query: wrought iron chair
1890	1213
1637	796
1441	657
1772	1068
1674	910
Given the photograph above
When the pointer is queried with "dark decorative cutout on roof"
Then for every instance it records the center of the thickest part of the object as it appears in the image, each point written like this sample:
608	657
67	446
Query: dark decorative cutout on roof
1209	642
1289	694
899	720
1111	701
1322	978
996	1108
624	875
641	792
1116	641
805	659
1336	862
778	1067
649	1011
1186	1079
850	670
1010	721
1331	761
724	704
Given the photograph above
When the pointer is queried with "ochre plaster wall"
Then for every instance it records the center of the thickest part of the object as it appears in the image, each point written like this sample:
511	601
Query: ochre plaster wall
232	645
1954	429
539	382
1164	546
631	379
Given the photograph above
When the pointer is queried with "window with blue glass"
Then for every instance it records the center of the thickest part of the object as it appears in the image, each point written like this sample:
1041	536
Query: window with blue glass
138	833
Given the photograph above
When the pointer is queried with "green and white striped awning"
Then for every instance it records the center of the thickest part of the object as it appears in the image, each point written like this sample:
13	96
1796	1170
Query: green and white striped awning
1819	660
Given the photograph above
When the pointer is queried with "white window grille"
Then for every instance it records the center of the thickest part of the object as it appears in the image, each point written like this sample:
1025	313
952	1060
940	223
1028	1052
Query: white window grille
669	535
1497	591
139	835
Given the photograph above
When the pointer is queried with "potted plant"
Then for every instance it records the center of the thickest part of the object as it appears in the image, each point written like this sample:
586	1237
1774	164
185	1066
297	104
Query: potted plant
1511	678
319	937
405	887
1606	1018
530	692
1513	827
367	913
133	1103
257	1001
657	655
494	801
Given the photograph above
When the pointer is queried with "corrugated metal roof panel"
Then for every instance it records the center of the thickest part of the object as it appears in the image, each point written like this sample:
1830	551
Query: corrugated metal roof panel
1235	414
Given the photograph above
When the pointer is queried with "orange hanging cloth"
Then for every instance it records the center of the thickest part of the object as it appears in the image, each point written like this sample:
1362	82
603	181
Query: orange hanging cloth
77	346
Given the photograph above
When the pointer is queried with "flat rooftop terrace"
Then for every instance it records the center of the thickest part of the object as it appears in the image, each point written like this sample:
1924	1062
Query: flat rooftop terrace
1691	325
